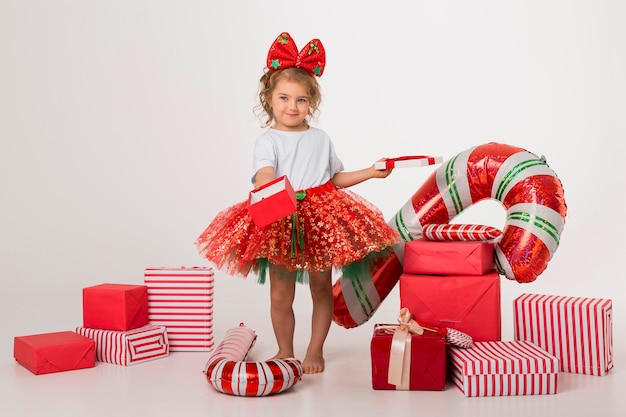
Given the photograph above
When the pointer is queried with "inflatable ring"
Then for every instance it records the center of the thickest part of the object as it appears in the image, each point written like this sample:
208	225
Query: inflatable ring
228	372
523	183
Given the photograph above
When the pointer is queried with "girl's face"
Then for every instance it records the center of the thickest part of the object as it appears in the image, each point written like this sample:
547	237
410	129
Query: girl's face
290	104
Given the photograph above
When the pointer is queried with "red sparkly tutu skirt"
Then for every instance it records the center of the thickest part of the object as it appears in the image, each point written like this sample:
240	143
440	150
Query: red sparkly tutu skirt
331	229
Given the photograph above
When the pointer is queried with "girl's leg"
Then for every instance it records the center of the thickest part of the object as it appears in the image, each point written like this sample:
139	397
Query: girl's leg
282	293
320	284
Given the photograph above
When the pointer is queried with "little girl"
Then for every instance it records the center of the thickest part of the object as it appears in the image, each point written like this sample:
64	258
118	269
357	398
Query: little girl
333	228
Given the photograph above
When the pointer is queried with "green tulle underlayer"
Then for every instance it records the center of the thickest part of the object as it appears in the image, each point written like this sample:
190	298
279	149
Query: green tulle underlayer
353	271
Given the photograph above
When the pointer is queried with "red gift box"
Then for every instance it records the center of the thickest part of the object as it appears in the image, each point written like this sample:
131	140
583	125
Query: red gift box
115	306
271	202
181	299
430	257
408	162
130	347
470	303
577	330
54	352
423	360
503	369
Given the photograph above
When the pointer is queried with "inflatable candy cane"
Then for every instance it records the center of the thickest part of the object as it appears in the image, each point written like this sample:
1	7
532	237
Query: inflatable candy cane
527	188
227	371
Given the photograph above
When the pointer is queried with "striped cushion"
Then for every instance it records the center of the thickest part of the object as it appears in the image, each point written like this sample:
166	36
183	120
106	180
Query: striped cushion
228	371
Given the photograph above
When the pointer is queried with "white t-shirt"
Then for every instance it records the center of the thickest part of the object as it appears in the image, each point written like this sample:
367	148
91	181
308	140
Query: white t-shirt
307	158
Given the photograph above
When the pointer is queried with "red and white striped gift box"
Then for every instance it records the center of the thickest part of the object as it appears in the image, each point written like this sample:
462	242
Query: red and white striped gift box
503	369
578	331
181	299
128	347
409	161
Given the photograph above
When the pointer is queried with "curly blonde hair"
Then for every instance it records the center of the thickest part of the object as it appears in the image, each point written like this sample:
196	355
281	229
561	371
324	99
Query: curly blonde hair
268	83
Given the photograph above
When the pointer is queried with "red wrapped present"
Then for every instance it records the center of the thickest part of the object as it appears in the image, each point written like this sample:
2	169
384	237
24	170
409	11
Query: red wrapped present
502	369
272	202
470	303
181	299
577	330
115	306
428	257
54	352
410	161
130	347
405	357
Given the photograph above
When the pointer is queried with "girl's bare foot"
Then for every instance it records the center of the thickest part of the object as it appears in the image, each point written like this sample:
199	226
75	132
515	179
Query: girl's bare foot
313	363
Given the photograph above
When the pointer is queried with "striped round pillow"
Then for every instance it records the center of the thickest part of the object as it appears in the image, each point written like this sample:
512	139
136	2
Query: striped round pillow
228	371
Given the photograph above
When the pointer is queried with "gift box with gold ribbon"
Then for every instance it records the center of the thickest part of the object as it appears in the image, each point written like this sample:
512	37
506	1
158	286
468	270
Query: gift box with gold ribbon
406	357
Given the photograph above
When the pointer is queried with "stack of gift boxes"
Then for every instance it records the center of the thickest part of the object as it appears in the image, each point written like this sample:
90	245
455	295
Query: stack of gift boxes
127	324
453	285
115	316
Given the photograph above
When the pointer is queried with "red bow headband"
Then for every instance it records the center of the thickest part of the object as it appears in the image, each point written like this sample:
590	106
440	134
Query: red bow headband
284	54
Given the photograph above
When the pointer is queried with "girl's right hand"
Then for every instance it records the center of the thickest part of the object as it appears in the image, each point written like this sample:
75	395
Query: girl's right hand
263	176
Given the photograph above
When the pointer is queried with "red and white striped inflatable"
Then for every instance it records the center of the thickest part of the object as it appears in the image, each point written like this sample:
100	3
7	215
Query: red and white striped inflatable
228	372
523	183
461	232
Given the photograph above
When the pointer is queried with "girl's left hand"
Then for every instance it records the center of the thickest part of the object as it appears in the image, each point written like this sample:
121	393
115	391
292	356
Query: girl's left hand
381	173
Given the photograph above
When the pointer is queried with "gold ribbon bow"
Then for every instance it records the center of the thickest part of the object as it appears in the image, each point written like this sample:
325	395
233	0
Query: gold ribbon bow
400	354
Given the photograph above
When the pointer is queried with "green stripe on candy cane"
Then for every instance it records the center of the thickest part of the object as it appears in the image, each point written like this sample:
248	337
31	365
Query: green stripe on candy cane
362	297
402	228
537	222
452	187
511	174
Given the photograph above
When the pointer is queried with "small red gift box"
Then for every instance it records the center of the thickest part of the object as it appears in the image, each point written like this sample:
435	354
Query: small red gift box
181	299
115	306
430	257
411	161
470	303
577	330
54	352
130	347
421	363
503	369
271	202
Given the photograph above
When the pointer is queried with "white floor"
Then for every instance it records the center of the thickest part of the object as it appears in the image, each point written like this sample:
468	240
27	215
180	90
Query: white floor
176	385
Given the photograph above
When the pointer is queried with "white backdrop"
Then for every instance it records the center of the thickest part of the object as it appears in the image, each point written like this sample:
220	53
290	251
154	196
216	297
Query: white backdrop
125	126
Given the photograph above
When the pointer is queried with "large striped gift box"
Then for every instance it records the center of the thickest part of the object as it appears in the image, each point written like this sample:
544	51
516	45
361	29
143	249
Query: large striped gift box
578	331
181	299
128	347
503	369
